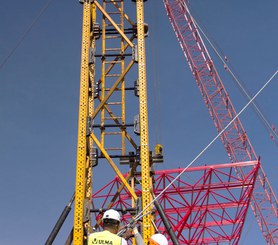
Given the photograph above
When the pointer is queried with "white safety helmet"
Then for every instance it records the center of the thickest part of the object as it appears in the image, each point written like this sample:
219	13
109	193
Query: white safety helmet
159	239
111	214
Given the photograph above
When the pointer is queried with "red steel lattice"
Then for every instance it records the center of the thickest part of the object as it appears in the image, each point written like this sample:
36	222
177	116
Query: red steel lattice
205	205
264	202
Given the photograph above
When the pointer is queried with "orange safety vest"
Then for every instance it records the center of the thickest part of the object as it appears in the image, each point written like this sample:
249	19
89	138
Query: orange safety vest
104	238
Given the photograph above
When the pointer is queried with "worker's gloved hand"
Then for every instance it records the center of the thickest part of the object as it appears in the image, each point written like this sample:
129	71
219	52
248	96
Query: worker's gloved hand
132	224
128	234
135	230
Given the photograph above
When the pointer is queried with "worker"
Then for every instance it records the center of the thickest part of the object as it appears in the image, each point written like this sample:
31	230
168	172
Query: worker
156	239
111	223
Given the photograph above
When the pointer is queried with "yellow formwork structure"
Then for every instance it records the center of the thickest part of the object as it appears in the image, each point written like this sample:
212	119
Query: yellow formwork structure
143	109
103	106
80	186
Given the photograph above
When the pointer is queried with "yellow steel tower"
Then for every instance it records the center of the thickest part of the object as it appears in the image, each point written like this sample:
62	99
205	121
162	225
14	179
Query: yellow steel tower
112	47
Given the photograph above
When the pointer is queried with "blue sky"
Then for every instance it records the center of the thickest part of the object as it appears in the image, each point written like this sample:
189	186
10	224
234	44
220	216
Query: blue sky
39	89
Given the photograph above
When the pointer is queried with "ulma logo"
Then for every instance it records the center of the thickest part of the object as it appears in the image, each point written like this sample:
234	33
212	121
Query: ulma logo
101	241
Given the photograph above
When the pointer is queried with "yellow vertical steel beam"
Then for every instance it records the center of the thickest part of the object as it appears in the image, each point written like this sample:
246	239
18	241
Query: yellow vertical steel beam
78	232
89	164
143	109
103	85
123	82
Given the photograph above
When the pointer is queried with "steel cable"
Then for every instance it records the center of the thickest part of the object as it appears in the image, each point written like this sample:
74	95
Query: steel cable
25	33
214	139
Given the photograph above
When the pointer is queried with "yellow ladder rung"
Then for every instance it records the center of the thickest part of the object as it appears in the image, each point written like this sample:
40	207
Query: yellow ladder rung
113	75
113	49
113	13
114	103
119	25
108	89
113	62
113	1
113	149
112	133
112	37
112	118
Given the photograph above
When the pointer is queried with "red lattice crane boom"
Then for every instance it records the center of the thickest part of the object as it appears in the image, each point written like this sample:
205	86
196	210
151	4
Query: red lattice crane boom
264	202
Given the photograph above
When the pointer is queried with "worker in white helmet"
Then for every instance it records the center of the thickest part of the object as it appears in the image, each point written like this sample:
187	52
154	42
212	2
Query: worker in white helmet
111	224
156	239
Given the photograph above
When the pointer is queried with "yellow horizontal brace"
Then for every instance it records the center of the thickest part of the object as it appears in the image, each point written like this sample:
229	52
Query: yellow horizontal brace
113	165
114	24
112	89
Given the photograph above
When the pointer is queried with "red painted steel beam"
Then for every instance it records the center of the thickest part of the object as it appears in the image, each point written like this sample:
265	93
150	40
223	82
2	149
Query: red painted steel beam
235	140
214	213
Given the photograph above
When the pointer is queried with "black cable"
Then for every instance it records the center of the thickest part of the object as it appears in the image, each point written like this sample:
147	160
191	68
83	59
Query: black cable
27	31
